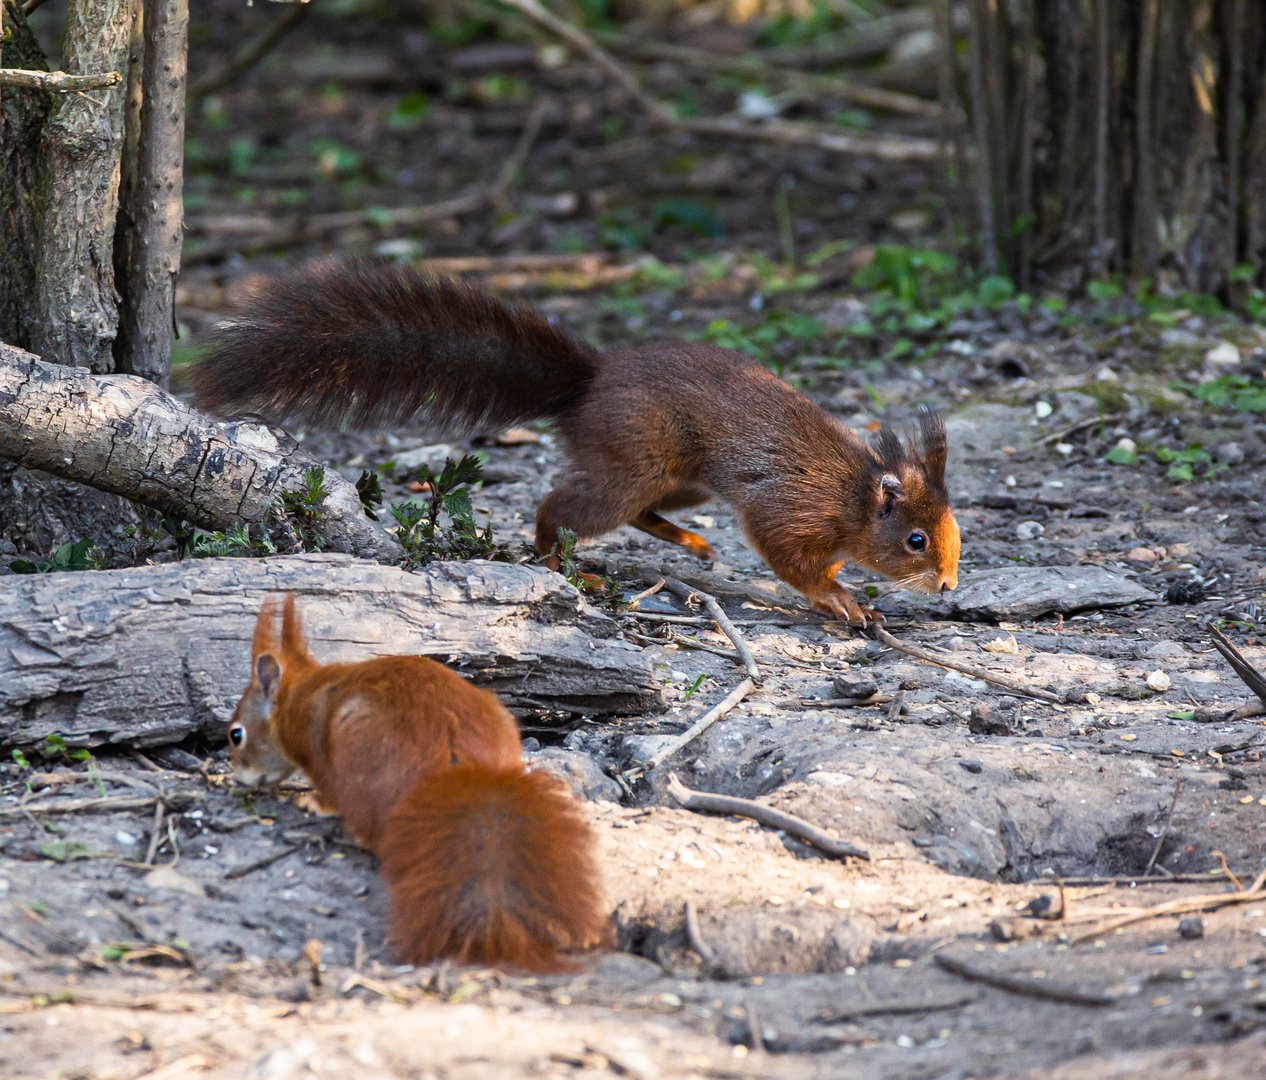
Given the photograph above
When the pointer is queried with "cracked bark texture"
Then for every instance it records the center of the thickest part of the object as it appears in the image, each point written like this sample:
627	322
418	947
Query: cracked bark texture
152	212
75	317
124	435
153	655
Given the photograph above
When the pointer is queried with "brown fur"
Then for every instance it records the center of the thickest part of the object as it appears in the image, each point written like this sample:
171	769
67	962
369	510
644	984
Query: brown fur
485	861
648	429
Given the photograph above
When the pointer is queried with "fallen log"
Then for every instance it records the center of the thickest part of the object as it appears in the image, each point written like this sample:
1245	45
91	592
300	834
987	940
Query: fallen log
153	655
124	435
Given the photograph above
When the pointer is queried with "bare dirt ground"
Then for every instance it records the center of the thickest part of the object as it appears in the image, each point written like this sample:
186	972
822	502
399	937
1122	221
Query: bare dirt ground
969	800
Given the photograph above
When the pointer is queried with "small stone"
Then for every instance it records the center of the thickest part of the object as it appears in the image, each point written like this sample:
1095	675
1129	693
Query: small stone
1043	409
984	721
1224	354
1009	481
1191	927
1029	530
1063	448
972	767
1185	592
910	684
518	436
1142	555
1128	445
124	839
1231	453
856	689
1005	929
1106	374
1159	681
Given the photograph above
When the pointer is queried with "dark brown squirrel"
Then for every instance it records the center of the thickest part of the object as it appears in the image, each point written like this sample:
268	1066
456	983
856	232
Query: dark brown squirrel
485	860
649	429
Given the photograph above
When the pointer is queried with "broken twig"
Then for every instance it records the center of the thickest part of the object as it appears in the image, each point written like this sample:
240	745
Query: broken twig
695	936
1207	902
766	815
685	592
1253	678
262	864
1015	984
1160	840
1081	425
928	657
702	724
59	82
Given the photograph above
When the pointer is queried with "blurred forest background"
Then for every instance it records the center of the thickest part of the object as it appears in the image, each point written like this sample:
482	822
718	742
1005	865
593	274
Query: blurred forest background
796	178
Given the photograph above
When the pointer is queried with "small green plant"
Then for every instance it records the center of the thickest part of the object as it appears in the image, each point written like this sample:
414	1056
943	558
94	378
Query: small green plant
54	746
1121	455
693	687
603	589
303	507
77	555
64	850
418	524
1238	392
409	112
19	759
1182	463
369	488
236	543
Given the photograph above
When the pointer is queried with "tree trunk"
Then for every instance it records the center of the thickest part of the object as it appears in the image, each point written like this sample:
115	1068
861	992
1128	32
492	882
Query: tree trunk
154	210
153	655
76	314
1151	141
126	436
23	114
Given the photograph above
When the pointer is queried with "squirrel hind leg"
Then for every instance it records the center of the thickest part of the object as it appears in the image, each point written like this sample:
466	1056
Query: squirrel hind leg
650	522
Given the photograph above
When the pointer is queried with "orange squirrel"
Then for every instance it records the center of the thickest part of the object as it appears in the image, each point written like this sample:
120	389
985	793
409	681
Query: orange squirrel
649	429
486	862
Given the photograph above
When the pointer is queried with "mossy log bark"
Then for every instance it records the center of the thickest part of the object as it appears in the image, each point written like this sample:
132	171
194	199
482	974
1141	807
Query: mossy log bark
124	435
153	655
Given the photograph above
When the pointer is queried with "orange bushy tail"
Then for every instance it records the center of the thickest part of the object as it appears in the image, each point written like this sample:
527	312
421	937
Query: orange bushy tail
491	867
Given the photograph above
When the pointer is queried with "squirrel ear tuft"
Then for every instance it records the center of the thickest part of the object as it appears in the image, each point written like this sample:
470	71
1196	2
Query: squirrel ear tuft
890	491
934	446
268	673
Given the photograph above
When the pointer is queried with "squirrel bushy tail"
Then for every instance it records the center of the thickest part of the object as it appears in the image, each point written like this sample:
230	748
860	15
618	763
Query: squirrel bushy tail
491	866
368	342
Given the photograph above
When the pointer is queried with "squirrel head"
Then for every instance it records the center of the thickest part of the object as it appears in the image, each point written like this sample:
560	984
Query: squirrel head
255	750
912	536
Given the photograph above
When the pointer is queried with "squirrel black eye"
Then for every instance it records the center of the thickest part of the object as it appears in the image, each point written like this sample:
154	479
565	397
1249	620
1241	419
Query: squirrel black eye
237	735
916	541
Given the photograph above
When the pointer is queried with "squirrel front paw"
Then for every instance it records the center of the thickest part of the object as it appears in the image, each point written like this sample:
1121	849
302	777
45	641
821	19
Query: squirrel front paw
844	605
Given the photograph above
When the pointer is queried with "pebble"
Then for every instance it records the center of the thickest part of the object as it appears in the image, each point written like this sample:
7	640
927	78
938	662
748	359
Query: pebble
1043	409
1231	453
1224	354
1159	681
1128	445
1191	927
1063	448
1142	555
1029	530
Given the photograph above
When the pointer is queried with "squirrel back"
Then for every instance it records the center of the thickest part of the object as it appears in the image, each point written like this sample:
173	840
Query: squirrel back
485	861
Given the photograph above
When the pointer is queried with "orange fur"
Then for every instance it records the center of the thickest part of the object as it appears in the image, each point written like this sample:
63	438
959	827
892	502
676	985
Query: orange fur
485	860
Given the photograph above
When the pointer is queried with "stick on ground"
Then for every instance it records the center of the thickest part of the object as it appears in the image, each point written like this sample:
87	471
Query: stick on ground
685	592
766	815
975	672
1014	984
694	935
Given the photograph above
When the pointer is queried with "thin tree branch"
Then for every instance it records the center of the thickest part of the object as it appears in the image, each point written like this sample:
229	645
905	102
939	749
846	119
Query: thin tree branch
1015	686
58	82
766	815
1015	984
685	592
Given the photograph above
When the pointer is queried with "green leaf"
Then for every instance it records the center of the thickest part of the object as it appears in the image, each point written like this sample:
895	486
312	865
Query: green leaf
64	850
1119	455
112	952
1180	472
688	212
1103	290
697	683
410	111
19	759
1182	714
